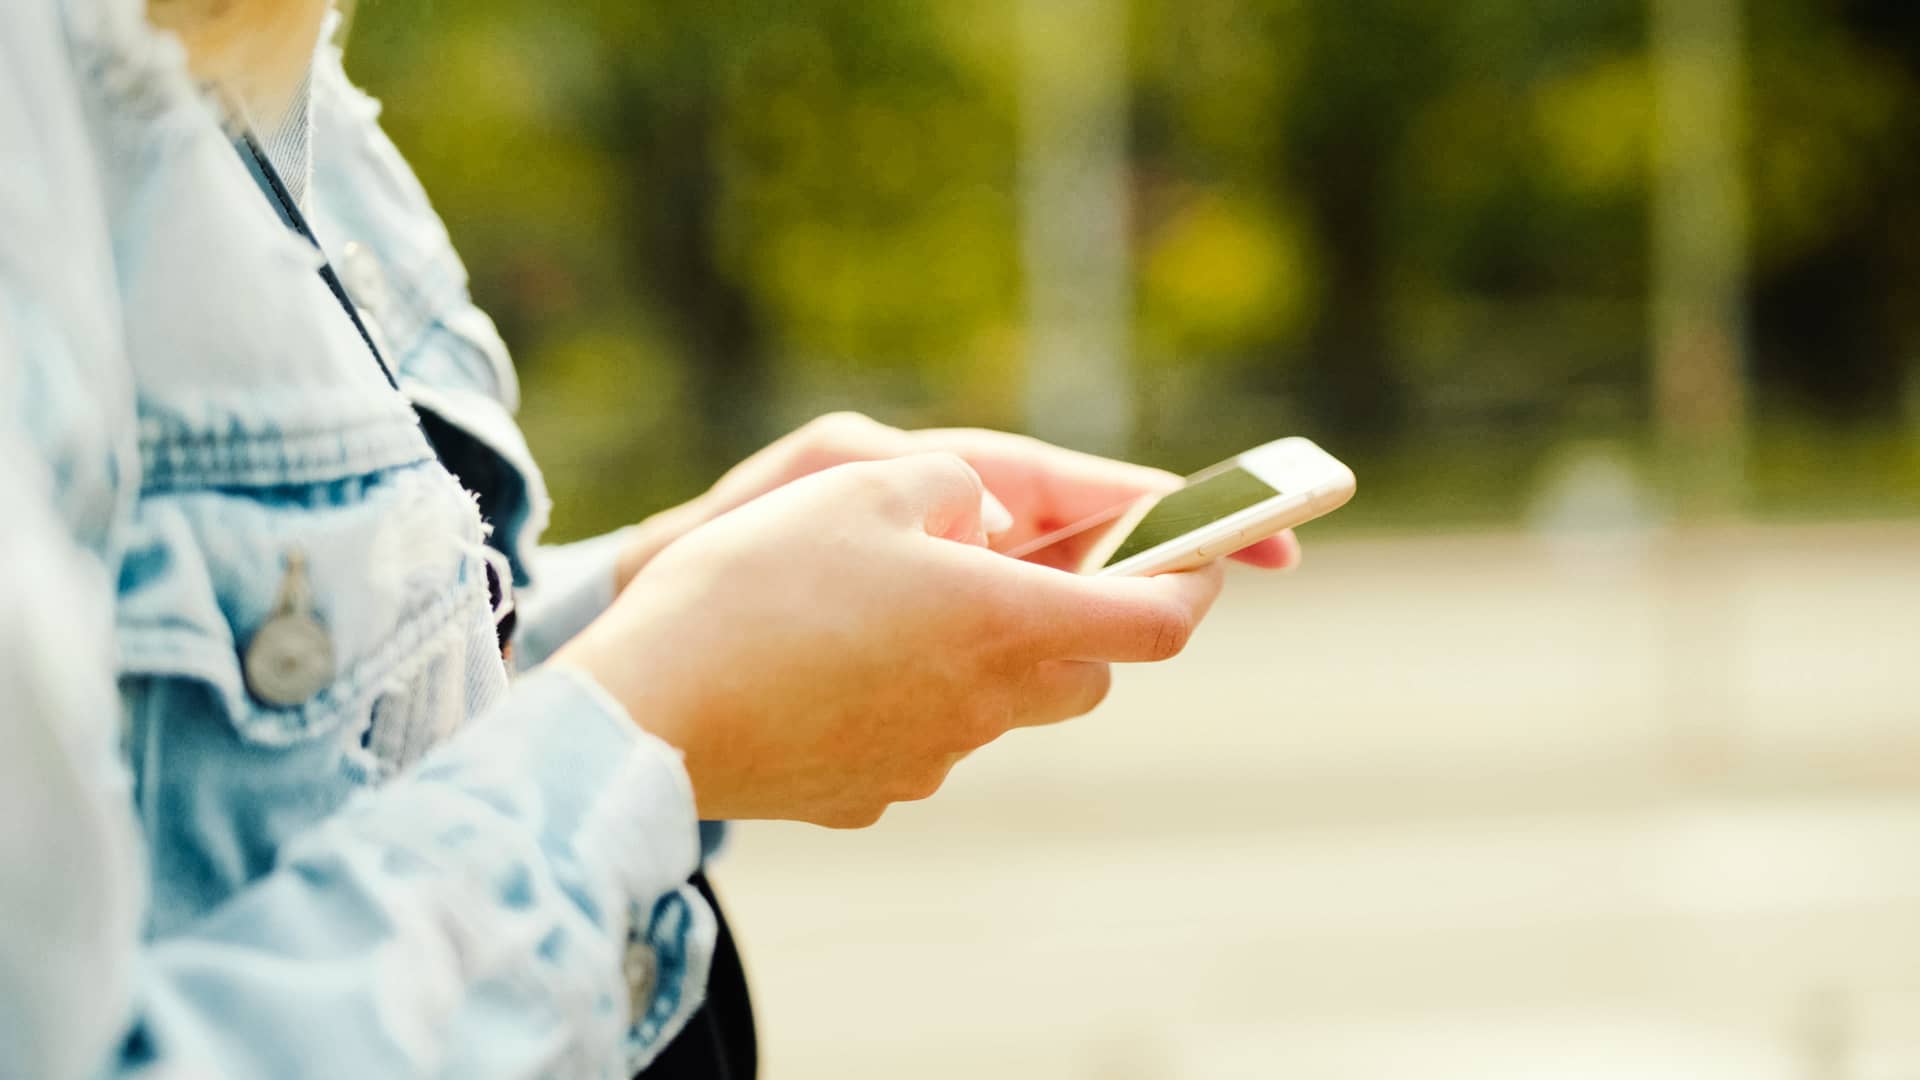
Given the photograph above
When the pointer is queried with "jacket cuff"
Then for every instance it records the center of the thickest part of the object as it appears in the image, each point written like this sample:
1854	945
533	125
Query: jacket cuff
616	796
572	584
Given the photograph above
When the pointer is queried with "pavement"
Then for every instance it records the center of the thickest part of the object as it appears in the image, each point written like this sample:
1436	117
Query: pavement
1622	804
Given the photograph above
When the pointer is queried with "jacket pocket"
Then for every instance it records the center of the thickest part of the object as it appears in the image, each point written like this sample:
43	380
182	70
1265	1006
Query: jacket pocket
379	575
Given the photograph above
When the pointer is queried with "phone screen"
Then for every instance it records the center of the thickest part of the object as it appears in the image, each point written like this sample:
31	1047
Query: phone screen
1202	502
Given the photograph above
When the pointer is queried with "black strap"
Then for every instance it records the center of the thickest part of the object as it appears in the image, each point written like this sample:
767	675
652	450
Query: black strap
268	178
719	1041
271	185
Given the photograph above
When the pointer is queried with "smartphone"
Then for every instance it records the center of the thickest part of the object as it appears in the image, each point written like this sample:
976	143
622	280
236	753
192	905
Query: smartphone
1219	510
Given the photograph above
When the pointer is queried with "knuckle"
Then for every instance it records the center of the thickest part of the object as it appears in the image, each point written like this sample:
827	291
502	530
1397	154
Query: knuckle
1075	689
954	468
841	422
854	817
837	436
1171	630
993	715
934	479
919	786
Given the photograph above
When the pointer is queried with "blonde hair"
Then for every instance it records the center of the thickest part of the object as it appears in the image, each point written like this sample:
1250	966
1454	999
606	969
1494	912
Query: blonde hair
255	50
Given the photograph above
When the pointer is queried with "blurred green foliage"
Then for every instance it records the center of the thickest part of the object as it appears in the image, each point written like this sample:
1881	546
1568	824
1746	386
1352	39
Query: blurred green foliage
1415	229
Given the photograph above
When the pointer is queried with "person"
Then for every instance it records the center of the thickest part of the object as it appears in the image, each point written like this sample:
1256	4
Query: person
270	803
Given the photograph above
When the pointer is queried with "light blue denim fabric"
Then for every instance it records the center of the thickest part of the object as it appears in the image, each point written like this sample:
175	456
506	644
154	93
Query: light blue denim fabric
393	255
417	870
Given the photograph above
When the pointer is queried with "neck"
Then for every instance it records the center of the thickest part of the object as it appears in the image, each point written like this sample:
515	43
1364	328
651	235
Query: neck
256	51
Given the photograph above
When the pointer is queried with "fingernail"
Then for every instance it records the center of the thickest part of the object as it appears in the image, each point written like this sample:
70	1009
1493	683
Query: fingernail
994	515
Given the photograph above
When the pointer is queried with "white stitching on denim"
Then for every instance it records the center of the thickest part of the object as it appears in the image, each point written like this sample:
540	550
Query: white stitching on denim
179	458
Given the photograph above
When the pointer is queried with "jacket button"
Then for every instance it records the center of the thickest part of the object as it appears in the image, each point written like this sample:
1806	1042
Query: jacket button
290	657
640	969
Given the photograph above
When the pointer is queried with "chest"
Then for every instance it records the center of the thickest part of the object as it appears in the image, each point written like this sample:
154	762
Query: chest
301	587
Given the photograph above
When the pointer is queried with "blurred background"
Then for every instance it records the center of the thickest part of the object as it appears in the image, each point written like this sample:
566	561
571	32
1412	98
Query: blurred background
1586	741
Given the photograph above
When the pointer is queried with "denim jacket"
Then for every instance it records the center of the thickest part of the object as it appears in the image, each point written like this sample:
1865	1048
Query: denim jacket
395	861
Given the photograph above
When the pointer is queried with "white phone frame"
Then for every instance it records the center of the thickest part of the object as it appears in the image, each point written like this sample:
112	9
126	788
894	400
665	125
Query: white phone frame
1311	482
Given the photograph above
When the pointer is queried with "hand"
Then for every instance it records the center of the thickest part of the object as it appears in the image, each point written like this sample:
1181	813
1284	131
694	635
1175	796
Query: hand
838	644
1043	487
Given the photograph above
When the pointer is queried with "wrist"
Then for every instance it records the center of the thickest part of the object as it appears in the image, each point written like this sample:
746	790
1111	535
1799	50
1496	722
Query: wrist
623	683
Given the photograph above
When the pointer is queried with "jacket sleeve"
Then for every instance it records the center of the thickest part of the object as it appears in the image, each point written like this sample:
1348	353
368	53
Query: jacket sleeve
468	918
70	861
572	584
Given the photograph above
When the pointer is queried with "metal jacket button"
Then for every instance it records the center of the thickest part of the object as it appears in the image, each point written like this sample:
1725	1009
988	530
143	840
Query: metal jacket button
640	967
290	657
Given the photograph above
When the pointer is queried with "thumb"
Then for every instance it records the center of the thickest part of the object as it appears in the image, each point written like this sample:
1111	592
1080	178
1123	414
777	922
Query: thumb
936	492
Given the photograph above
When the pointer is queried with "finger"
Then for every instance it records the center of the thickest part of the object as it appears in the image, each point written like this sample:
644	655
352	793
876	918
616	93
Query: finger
841	437
818	445
1069	548
1046	486
1277	552
1057	690
1060	615
936	492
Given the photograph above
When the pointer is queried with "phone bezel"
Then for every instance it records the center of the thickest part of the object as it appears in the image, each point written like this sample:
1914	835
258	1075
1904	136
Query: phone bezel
1310	482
